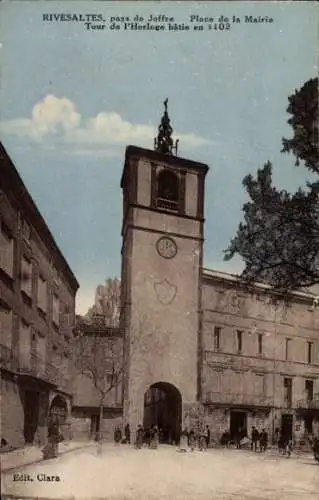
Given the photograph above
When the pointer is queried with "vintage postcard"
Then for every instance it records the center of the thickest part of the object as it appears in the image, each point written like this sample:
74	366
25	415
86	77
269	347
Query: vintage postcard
159	250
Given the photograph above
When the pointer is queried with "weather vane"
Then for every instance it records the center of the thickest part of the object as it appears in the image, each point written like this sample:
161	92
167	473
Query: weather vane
164	143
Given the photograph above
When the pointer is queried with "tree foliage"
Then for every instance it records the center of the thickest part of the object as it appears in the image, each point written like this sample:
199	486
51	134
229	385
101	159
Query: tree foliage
279	238
107	302
303	108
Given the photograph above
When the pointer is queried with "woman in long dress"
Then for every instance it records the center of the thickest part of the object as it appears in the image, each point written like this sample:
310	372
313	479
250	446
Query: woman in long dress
154	438
139	437
203	440
183	444
192	440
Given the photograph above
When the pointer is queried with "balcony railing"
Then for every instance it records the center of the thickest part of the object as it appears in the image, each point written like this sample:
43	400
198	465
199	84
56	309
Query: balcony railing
240	399
165	203
31	365
7	358
308	404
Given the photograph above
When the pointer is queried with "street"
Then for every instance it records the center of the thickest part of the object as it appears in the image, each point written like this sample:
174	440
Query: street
123	473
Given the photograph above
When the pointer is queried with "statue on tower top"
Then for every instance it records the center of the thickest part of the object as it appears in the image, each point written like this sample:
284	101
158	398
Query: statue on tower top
164	143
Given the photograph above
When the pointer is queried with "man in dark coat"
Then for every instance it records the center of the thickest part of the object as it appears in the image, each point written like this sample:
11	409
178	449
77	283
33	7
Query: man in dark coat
254	438
127	434
207	436
51	449
263	440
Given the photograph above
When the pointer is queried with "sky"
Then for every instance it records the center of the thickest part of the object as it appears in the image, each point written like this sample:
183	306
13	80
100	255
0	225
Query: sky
73	97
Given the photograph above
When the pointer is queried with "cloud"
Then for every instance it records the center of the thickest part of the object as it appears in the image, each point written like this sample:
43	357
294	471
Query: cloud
51	116
57	119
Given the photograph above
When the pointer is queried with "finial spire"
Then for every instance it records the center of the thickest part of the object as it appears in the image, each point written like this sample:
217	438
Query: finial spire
164	143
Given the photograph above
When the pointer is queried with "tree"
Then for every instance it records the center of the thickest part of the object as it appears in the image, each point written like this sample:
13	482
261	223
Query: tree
98	355
102	349
279	238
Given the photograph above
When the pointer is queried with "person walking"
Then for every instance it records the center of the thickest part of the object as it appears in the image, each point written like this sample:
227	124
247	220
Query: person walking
51	449
281	444
207	436
127	434
203	440
288	447
183	443
263	441
117	435
192	440
154	437
139	437
254	438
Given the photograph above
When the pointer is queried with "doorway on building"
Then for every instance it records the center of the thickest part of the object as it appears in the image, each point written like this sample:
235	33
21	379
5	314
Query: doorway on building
31	415
238	424
163	407
286	426
308	424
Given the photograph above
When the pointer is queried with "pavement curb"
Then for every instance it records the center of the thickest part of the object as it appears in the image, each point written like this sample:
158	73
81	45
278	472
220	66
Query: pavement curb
32	462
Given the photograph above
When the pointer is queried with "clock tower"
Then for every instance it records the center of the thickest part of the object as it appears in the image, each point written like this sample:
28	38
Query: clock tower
162	253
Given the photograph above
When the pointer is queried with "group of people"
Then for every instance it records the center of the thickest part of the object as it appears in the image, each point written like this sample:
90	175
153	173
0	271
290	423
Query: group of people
189	440
258	441
144	437
147	437
125	438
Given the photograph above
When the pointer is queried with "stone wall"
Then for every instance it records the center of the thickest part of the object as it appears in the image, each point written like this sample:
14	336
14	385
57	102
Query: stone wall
12	415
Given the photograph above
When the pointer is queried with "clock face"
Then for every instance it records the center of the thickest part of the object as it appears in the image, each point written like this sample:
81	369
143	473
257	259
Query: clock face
166	247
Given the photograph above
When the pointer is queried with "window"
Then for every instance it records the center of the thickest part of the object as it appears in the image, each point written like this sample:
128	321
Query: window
288	392
6	327
6	250
287	349
55	309
260	344
26	277
42	294
259	384
309	352
167	190
217	332
239	341
309	390
66	317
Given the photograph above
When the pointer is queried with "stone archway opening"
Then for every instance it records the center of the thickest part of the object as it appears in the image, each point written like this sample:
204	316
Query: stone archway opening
163	407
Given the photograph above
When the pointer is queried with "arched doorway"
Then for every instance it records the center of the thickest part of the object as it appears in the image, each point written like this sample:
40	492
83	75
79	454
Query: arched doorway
163	407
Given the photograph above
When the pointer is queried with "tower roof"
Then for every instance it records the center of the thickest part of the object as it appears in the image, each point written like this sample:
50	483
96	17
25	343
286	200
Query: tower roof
164	143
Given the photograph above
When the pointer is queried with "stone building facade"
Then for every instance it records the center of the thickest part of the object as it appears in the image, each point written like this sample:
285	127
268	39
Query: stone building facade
199	348
260	359
37	311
